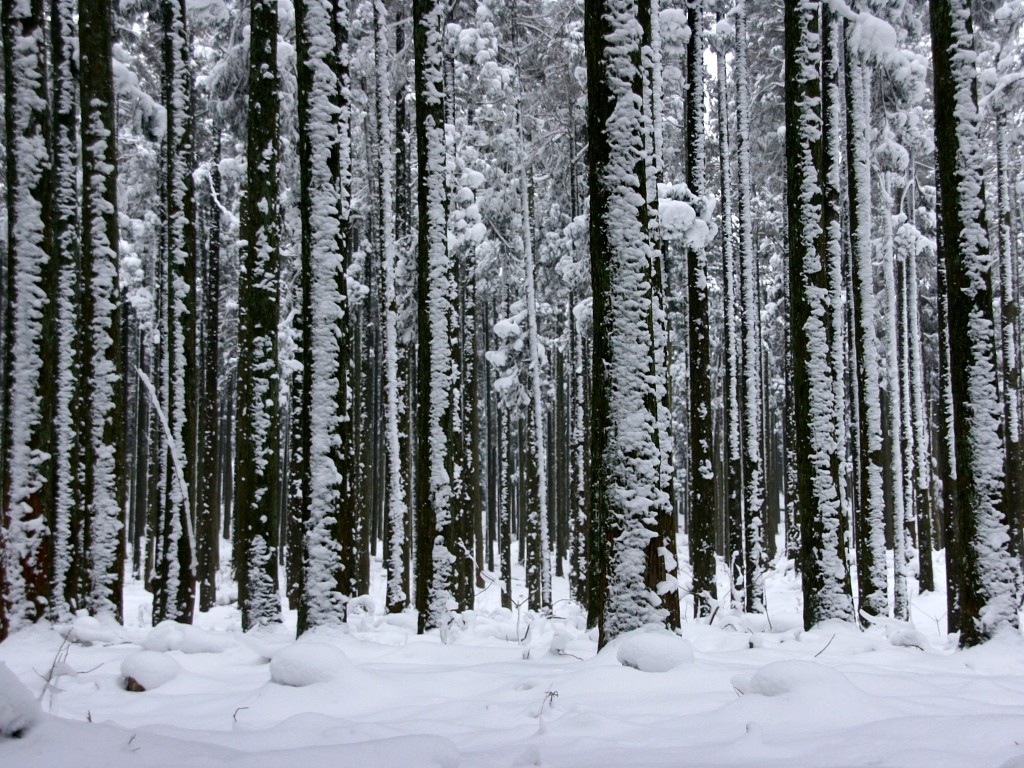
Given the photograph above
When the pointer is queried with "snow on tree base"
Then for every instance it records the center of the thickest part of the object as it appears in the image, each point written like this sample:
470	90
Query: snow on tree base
18	708
653	650
146	670
307	663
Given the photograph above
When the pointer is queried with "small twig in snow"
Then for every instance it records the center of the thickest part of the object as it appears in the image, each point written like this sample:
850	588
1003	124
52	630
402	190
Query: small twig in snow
826	646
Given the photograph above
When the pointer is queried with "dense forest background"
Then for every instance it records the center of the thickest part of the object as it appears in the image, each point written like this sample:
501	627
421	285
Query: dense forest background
290	286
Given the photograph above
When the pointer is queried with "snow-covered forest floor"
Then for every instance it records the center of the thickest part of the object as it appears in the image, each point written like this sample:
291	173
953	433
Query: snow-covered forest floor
511	689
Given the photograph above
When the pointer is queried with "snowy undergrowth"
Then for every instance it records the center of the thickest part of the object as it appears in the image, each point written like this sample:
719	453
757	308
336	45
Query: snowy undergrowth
513	688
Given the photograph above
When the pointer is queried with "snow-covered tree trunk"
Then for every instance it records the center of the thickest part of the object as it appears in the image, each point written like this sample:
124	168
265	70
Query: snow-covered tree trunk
732	319
662	555
208	486
33	271
872	578
946	455
1010	317
922	456
257	458
833	127
434	362
987	571
750	343
907	445
577	468
68	559
396	511
901	597
825	577
626	481
538	571
104	483
174	583
321	598
702	477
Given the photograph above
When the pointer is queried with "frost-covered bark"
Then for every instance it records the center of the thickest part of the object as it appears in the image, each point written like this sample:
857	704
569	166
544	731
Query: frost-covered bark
872	578
946	455
104	482
901	596
626	482
731	318
578	511
662	555
833	127
755	563
702	474
825	578
538	572
321	599
1010	340
68	559
396	511
434	362
257	458
174	568
919	414
208	491
26	520
987	571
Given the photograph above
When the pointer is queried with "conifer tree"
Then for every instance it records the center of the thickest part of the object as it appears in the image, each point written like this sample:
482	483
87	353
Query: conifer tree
30	339
104	481
257	459
981	562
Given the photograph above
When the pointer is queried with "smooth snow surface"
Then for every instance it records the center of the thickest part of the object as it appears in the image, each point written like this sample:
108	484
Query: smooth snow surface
18	708
374	695
149	669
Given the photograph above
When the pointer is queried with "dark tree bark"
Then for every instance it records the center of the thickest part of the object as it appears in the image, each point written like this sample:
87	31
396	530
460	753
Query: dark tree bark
987	572
257	434
104	481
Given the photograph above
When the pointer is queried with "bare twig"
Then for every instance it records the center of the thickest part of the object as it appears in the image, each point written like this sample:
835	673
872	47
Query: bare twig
826	646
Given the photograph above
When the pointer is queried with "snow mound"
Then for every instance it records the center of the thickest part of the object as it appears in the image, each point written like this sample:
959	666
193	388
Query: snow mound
784	677
305	664
18	709
653	650
909	637
172	636
148	670
87	630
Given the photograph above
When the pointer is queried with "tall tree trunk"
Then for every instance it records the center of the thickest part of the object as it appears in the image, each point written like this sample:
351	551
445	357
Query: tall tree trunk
396	511
257	433
434	364
103	445
872	577
732	408
68	560
702	477
175	567
825	578
755	564
30	360
987	571
625	473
